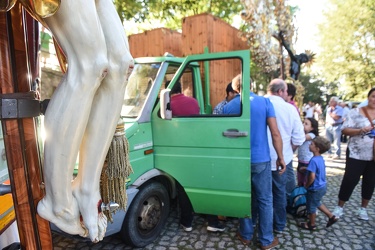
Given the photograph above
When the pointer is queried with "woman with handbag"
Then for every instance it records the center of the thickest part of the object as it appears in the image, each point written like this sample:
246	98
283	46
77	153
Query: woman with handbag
360	160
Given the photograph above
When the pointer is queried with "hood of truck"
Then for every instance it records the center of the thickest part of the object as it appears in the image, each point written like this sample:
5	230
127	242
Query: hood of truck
139	135
131	127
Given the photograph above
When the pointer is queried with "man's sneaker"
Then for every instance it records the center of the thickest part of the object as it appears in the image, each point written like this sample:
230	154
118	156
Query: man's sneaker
274	243
338	212
244	241
222	218
216	228
187	229
362	214
336	157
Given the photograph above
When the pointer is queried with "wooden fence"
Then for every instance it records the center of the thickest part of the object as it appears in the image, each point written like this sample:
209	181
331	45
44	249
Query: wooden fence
155	43
198	32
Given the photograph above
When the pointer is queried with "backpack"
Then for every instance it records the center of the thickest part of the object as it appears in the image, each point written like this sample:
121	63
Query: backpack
297	202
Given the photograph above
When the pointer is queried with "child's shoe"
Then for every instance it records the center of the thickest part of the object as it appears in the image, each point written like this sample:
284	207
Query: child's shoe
332	221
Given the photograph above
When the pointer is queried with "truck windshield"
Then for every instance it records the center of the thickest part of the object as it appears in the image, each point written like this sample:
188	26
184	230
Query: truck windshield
138	87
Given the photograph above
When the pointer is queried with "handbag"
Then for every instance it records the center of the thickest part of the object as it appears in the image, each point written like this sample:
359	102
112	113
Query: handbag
368	117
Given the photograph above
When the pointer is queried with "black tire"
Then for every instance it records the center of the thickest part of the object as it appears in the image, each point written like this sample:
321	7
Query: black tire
146	216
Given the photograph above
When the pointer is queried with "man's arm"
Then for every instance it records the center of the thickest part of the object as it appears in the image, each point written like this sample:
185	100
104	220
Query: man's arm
277	143
298	133
334	116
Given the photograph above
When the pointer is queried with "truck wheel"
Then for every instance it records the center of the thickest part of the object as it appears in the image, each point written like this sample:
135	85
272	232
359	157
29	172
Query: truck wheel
146	215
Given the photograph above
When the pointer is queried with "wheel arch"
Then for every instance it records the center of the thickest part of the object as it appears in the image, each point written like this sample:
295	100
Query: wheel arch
160	176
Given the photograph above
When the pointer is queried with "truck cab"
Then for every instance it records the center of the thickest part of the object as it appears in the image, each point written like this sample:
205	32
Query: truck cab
209	155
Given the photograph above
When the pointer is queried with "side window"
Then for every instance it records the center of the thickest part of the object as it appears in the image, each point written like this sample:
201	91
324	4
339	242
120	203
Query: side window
187	84
137	88
186	81
184	96
210	83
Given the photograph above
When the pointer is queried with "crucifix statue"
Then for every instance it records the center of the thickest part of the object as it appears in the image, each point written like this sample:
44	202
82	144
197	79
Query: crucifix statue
84	110
296	60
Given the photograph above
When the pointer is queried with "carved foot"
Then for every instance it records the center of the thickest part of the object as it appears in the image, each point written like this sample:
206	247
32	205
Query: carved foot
66	219
93	219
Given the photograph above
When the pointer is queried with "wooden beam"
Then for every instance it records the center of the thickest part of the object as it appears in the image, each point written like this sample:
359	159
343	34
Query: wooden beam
20	138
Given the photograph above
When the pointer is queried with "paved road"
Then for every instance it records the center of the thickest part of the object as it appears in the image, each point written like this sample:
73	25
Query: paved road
349	233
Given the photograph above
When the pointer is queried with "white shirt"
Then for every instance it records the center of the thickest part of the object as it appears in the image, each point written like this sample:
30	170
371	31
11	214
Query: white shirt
309	111
290	127
360	147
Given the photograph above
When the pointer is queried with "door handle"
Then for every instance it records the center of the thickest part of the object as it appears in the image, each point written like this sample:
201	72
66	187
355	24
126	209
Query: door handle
235	133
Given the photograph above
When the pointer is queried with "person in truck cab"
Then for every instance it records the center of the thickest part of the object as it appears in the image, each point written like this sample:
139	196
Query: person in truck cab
230	95
182	105
234	106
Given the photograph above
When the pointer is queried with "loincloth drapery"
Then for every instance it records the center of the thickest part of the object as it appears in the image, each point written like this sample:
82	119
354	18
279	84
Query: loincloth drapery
39	9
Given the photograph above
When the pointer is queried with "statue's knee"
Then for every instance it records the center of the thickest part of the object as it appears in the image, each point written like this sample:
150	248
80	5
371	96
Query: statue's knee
130	63
120	69
128	59
121	59
100	67
94	72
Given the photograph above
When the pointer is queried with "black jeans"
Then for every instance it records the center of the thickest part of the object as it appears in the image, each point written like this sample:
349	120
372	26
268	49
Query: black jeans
354	169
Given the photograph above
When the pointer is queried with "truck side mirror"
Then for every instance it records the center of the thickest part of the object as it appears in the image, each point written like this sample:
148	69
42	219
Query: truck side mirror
165	102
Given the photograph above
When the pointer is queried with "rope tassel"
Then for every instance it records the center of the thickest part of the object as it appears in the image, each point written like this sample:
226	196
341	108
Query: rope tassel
116	170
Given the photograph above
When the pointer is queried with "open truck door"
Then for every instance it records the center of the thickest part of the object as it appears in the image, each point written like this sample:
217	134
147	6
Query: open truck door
209	155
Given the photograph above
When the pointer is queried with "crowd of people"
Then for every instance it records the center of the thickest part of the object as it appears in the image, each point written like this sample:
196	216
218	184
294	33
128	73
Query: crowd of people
289	131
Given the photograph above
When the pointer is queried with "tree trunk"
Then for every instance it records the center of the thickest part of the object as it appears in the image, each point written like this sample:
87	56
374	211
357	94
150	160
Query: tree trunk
282	66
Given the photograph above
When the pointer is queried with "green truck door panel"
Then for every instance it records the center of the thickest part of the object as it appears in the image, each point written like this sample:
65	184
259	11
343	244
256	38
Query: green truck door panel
213	169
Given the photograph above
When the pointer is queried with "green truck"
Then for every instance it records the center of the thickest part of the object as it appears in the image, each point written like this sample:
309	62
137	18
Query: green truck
209	155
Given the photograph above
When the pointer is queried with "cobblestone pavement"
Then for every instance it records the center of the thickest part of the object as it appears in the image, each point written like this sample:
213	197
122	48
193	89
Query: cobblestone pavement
348	233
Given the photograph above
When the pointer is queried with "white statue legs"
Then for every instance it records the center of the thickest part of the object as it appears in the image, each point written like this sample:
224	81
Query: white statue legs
83	113
104	116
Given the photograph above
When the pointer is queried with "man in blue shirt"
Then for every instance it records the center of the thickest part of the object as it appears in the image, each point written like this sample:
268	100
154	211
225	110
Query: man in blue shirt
262	115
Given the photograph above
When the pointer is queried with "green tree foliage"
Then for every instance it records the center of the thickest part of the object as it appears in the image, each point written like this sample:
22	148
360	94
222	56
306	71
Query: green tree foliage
171	12
314	89
264	20
260	79
348	46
